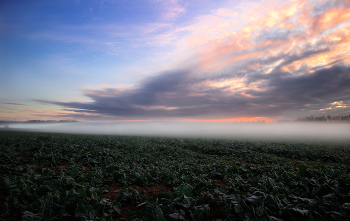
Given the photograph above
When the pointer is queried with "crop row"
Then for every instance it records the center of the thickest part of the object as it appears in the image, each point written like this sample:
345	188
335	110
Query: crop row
87	177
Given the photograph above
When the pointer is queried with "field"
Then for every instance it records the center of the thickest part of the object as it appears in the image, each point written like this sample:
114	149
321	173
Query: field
48	176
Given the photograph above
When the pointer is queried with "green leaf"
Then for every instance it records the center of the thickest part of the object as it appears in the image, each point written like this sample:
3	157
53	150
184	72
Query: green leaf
298	214
142	204
238	209
204	208
29	216
185	190
121	195
159	213
166	181
255	200
302	170
187	179
176	216
184	201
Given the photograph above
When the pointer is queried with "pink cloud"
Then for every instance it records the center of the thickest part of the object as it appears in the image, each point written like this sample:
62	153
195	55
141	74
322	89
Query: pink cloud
270	29
226	12
170	9
199	39
329	19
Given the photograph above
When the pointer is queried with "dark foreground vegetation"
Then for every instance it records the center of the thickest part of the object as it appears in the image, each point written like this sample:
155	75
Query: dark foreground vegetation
86	177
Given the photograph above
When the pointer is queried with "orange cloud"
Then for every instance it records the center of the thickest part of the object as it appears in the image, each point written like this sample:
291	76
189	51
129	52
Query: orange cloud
31	114
273	13
339	50
237	58
338	103
248	95
262	20
214	50
329	19
235	85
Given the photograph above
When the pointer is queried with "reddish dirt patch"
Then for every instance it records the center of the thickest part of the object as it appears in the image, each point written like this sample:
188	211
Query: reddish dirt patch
33	166
58	168
86	169
113	190
220	182
121	219
54	169
152	190
61	167
125	209
213	212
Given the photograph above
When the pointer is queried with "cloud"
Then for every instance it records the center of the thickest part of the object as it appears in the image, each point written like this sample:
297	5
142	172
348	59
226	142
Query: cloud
154	27
286	58
274	29
322	86
180	94
170	9
226	12
13	103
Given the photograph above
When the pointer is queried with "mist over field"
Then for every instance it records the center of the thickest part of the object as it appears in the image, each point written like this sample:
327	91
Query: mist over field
274	131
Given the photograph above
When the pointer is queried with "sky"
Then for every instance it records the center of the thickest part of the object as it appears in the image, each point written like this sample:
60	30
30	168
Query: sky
174	60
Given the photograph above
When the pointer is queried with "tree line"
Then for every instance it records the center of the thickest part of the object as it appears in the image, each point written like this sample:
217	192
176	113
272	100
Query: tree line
345	118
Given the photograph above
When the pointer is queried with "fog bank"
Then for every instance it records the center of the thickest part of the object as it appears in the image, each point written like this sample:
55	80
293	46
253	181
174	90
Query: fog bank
284	131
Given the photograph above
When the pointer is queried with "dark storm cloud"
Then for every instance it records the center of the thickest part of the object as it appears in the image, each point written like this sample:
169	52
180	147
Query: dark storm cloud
323	86
136	102
179	94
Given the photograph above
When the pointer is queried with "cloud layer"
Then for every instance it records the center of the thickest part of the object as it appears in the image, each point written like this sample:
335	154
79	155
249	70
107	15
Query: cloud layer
268	60
180	94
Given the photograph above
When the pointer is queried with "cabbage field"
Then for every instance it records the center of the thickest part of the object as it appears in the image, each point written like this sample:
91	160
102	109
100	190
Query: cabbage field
52	176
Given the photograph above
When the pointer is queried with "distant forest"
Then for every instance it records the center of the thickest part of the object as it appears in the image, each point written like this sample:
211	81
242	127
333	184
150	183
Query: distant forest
345	118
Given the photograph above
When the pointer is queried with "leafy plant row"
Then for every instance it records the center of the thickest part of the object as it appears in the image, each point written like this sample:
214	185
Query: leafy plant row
85	177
